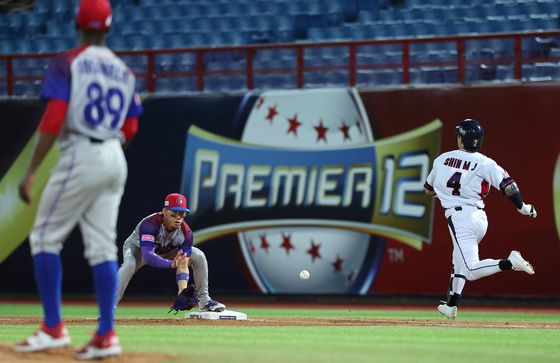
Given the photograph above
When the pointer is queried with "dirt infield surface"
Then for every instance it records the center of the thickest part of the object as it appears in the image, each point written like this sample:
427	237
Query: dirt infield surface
177	321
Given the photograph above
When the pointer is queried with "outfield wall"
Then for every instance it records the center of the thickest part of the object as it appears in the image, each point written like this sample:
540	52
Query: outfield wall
386	238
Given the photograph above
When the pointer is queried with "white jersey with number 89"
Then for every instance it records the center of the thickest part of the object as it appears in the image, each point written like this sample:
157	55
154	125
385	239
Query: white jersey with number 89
463	178
99	88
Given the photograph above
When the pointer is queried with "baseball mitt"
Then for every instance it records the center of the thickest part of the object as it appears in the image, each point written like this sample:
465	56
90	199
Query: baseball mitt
186	300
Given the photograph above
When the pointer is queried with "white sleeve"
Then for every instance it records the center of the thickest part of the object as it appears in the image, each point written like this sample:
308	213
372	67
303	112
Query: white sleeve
430	180
492	173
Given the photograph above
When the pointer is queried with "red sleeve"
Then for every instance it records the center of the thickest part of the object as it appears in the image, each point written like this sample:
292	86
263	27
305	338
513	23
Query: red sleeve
130	128
53	117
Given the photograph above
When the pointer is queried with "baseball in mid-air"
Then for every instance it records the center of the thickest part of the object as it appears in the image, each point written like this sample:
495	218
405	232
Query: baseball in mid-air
304	274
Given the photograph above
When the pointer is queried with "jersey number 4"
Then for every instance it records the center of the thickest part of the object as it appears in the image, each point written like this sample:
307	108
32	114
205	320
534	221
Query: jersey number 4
100	103
455	183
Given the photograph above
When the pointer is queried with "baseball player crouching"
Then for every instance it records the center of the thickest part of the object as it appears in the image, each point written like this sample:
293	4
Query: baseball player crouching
461	179
165	240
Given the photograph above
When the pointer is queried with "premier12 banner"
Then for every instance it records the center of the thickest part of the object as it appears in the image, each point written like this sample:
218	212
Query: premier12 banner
375	188
306	186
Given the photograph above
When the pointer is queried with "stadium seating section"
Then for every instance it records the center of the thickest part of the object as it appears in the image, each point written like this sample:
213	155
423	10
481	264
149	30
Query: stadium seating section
163	24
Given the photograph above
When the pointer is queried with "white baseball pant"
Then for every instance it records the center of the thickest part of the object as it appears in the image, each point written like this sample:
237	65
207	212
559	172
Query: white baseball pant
85	187
467	228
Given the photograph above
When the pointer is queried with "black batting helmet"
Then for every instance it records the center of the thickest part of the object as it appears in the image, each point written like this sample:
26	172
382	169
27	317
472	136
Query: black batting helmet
471	133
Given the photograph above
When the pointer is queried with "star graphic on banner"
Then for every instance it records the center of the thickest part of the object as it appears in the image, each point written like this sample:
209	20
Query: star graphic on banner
337	265
294	124
321	131
286	243
260	102
272	112
314	251
359	126
264	243
345	131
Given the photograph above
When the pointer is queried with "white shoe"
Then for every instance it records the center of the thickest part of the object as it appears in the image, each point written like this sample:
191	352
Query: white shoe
45	338
449	311
100	347
519	264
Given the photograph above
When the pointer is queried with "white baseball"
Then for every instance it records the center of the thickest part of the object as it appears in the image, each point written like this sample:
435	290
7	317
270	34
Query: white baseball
304	274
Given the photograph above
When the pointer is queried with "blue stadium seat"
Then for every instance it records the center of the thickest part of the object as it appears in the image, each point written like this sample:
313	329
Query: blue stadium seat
317	34
56	29
314	79
42	7
504	73
141	85
267	8
336	78
547	71
175	40
528	72
27	89
233	83
214	83
367	16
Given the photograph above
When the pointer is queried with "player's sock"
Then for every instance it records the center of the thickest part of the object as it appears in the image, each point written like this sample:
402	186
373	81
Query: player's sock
48	277
453	299
505	265
105	280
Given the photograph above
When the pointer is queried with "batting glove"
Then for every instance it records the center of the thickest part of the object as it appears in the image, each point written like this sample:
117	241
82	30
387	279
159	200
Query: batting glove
528	210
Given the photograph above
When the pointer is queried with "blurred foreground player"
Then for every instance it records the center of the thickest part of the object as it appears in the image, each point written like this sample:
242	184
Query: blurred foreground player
92	109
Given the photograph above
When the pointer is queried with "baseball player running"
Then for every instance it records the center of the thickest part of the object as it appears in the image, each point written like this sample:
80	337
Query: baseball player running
164	240
461	179
92	108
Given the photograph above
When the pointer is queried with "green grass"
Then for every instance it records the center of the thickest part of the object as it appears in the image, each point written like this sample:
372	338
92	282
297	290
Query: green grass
340	344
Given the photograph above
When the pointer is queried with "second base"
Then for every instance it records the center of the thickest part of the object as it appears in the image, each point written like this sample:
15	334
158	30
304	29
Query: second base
211	315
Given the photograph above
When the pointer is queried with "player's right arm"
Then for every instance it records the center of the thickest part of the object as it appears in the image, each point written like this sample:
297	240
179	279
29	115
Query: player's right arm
148	231
56	89
429	184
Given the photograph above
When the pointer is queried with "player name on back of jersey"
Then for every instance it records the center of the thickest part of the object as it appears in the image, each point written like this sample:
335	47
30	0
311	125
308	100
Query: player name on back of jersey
109	70
459	164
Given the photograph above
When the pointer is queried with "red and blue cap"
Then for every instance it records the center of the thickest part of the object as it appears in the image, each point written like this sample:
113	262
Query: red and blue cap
177	202
94	15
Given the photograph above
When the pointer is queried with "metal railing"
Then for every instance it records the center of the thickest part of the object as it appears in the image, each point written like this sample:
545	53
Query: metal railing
247	54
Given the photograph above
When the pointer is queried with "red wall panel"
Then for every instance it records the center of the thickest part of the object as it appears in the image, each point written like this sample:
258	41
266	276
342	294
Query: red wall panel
521	134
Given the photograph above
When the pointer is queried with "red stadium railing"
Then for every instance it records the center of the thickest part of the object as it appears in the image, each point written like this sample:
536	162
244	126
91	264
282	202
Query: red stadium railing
151	74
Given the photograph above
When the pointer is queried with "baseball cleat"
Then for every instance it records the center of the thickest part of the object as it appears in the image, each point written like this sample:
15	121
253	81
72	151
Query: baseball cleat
449	311
214	306
45	338
100	347
519	264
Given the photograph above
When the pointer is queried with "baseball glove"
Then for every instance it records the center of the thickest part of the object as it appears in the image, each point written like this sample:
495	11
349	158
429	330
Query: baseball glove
186	300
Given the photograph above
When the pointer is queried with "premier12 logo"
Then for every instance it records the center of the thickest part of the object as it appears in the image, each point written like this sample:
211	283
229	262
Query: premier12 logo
375	188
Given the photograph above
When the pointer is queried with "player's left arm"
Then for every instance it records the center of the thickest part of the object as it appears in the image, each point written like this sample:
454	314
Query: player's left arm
501	180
